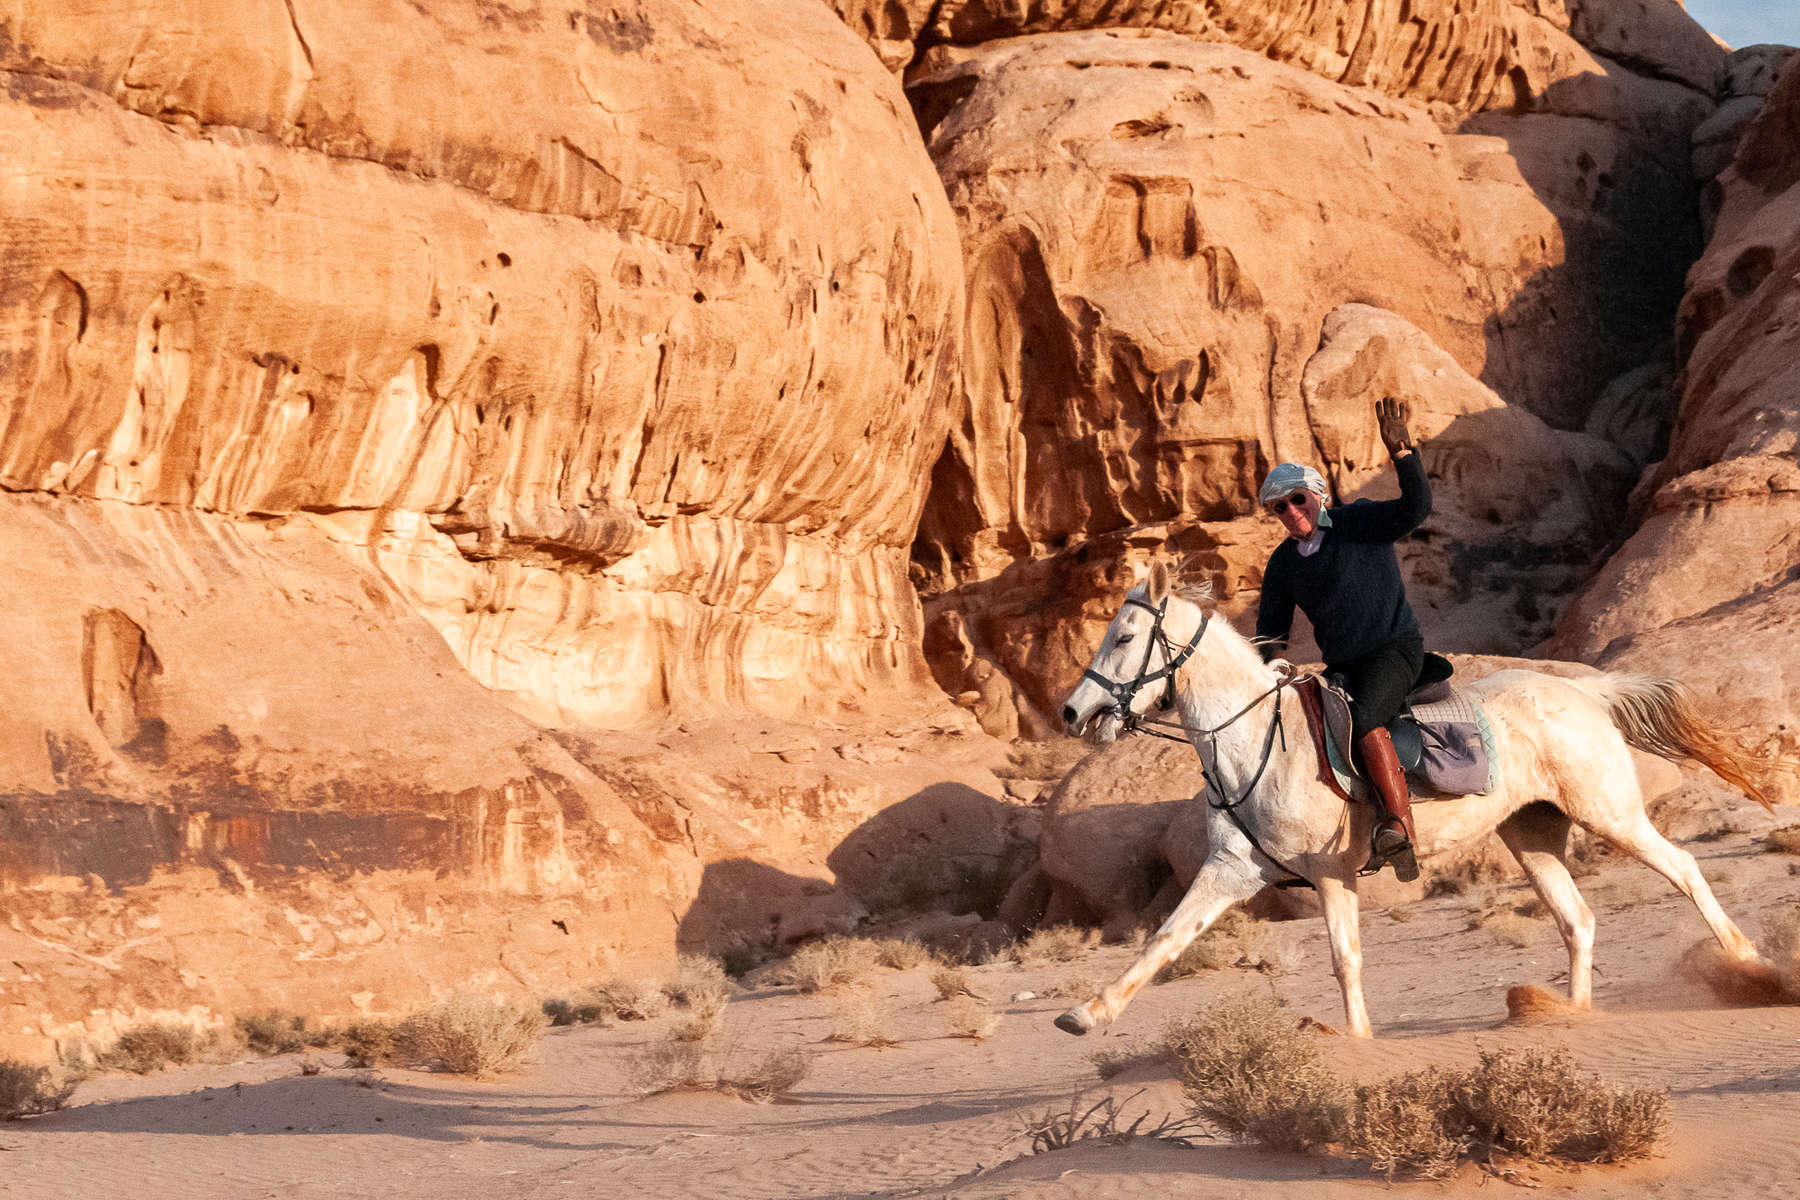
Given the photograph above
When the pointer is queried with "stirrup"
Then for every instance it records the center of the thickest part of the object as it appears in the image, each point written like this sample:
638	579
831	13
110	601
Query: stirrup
1396	851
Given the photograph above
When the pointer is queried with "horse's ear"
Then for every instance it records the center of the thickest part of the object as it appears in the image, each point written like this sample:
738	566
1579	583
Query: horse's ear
1158	584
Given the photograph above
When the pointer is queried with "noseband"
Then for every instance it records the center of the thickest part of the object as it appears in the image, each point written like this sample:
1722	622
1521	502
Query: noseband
1122	692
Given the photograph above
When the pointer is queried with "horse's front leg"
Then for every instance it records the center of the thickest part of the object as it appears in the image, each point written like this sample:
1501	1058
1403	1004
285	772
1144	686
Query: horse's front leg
1223	881
1338	898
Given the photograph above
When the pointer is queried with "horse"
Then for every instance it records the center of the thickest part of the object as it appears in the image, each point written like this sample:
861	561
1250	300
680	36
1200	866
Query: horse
1564	756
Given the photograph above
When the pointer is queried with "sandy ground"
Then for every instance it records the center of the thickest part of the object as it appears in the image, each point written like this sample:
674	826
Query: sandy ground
942	1116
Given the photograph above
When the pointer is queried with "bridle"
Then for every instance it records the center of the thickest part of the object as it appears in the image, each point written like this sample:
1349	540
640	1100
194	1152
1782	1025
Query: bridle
1123	692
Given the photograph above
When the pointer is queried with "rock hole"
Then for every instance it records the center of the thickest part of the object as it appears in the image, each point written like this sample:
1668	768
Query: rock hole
1749	269
505	258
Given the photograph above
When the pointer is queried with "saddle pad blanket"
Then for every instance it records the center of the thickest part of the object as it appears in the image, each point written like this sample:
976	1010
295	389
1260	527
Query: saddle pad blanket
1460	756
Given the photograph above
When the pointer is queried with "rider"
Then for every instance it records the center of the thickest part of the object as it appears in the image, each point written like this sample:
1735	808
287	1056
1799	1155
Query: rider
1338	565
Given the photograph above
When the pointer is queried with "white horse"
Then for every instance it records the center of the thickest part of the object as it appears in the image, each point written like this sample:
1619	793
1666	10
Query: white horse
1562	745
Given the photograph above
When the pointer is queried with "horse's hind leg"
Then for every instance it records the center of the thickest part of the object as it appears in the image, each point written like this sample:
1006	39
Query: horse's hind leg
1538	836
1633	833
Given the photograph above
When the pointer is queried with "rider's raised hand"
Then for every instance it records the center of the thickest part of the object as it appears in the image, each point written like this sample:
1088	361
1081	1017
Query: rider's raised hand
1391	416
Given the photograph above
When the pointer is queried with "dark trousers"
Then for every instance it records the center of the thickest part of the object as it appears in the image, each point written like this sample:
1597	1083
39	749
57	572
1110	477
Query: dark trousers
1378	682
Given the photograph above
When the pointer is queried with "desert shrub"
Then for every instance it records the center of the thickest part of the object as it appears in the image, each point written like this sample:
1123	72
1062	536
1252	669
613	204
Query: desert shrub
971	1018
1059	943
142	1049
699	982
582	1008
739	959
470	1035
1535	1103
1249	1070
278	1033
832	962
674	1065
1408	1125
1060	1128
903	954
26	1090
1785	840
630	999
951	981
862	1019
1108	1063
1234	938
367	1043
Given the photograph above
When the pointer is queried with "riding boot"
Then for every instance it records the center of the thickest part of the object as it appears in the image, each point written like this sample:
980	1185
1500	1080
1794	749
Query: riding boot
1393	842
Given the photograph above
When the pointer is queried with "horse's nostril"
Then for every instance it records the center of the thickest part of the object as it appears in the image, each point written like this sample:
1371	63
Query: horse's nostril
1068	715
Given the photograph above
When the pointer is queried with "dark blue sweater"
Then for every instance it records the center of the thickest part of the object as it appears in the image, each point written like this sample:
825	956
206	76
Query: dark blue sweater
1350	588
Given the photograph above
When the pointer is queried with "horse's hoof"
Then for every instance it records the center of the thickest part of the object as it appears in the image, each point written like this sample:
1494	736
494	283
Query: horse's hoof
1075	1021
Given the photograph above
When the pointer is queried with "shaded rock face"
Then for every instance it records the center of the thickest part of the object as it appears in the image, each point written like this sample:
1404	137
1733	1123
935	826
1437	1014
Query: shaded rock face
1708	586
1155	229
571	371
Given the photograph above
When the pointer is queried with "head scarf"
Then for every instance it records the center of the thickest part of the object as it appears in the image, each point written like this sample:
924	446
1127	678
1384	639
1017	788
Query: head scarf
1288	478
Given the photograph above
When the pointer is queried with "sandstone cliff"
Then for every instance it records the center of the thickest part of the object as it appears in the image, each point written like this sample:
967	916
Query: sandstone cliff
390	384
1155	228
1709	583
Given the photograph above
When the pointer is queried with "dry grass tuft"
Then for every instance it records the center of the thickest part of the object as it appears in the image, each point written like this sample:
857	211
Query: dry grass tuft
26	1090
583	1008
1110	1063
952	981
629	999
1249	1070
1785	840
368	1043
673	1065
1059	943
142	1049
904	954
831	963
1468	876
470	1035
862	1019
279	1033
699	980
1235	939
971	1018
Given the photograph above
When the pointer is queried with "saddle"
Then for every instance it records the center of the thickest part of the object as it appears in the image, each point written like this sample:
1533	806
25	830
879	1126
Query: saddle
1442	737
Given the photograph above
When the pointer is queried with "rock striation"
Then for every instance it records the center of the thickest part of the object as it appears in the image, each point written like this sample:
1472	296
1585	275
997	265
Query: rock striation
633	407
1155	231
397	395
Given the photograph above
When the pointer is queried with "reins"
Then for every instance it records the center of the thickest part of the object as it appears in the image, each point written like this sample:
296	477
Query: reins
1122	694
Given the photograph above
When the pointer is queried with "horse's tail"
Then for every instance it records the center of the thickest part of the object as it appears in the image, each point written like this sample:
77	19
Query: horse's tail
1657	716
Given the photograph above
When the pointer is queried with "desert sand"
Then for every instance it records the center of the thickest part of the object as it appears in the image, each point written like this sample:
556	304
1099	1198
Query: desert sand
943	1116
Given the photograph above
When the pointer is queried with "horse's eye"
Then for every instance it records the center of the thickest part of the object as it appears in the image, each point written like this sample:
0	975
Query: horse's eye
1125	638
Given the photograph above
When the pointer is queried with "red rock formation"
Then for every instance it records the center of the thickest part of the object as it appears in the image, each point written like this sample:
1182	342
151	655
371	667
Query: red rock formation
388	382
1155	229
1708	585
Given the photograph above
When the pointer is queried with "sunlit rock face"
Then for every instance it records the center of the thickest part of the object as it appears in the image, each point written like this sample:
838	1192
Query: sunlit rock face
386	383
616	341
1708	586
1155	230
